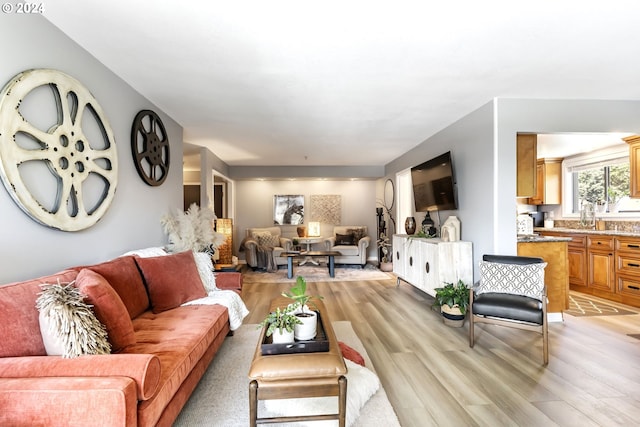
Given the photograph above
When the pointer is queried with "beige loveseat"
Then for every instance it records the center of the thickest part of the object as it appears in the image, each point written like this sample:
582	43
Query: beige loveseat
263	247
351	241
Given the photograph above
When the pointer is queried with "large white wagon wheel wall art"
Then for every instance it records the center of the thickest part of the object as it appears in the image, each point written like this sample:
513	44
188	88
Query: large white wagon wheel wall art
65	137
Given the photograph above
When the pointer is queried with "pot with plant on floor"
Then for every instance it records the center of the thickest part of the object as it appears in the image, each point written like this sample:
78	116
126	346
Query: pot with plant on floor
386	263
281	324
453	300
308	318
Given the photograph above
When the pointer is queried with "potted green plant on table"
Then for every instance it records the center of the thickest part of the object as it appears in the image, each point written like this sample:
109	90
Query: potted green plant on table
453	300
306	330
281	324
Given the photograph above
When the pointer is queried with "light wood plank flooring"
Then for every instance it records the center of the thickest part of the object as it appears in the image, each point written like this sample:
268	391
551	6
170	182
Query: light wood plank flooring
433	378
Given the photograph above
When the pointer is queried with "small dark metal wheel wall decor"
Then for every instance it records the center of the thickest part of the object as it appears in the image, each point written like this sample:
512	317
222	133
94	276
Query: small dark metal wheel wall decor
150	147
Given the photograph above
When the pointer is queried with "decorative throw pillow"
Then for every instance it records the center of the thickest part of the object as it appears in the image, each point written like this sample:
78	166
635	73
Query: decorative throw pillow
68	326
265	238
205	270
350	353
344	239
358	233
108	307
124	277
171	280
527	279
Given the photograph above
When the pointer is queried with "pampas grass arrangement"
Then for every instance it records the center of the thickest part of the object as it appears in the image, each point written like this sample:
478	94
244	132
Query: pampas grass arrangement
71	322
192	230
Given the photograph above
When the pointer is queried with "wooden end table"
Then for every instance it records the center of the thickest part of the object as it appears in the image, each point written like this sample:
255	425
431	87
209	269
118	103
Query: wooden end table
329	254
298	375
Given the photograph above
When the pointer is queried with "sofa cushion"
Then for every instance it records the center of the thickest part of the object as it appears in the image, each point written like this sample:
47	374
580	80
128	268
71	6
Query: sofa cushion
108	307
179	338
171	280
21	336
344	239
346	250
68	326
124	277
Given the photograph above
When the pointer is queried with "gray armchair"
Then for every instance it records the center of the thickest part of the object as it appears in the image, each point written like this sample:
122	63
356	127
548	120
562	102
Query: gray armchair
511	293
351	241
258	244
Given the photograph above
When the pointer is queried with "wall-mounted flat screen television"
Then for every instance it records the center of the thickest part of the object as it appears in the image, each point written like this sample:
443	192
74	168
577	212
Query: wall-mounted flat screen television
434	184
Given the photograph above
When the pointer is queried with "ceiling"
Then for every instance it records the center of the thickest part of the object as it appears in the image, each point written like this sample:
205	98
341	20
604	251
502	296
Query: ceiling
341	83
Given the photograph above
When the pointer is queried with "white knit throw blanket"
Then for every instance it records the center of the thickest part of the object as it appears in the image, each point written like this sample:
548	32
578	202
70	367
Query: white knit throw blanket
230	299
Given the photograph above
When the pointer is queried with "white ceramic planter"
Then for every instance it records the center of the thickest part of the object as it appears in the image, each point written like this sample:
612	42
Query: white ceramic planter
285	337
307	330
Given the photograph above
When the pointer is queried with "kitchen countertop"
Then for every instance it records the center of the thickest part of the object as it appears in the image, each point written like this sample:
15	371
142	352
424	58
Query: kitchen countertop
587	231
534	238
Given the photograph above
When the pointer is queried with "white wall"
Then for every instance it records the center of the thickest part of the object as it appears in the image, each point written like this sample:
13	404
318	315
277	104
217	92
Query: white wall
29	249
254	205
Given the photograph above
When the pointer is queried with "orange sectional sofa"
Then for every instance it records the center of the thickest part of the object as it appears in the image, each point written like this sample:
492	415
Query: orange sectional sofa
151	372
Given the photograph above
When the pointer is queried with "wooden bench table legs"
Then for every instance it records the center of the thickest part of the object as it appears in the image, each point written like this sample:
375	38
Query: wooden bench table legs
288	391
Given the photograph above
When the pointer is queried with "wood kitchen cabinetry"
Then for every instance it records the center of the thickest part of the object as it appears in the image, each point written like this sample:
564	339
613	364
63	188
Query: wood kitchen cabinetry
577	257
548	182
604	265
526	152
628	268
429	263
601	262
634	164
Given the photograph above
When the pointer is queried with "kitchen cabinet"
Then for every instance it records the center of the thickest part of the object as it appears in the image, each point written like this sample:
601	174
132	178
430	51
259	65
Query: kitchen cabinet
634	164
604	265
548	182
526	164
430	263
576	256
601	260
628	269
556	279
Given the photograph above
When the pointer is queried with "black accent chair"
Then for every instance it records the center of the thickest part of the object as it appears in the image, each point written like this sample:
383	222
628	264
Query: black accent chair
507	309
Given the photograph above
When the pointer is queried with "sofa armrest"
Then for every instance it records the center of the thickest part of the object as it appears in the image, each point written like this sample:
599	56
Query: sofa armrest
364	243
250	246
286	243
79	401
329	243
143	369
229	280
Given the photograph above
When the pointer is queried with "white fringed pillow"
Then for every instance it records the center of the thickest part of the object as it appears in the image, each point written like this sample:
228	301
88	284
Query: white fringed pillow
68	326
519	279
205	270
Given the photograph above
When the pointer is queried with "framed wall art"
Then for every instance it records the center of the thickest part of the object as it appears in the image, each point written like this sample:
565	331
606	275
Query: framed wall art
288	209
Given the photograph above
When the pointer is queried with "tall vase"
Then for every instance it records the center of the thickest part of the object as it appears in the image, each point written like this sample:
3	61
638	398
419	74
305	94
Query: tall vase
410	225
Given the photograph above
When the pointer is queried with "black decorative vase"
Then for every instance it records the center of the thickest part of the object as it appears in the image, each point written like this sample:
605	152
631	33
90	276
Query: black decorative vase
410	225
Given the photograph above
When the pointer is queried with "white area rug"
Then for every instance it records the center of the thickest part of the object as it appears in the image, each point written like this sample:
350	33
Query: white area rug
320	273
222	396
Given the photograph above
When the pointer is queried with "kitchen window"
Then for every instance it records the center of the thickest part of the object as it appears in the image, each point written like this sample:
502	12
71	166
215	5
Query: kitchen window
600	178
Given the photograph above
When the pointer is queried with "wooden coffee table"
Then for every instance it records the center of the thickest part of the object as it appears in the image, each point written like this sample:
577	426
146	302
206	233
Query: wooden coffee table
298	375
329	254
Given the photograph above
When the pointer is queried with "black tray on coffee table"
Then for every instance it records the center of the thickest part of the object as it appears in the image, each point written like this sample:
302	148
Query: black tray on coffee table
319	344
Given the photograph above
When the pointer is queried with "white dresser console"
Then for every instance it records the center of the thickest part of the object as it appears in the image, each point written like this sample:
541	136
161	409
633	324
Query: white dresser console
430	263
